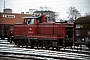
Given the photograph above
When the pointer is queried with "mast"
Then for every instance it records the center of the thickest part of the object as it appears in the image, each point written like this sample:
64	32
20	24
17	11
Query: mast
4	13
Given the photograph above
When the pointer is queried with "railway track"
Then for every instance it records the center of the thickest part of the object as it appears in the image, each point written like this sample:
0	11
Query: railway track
9	51
77	49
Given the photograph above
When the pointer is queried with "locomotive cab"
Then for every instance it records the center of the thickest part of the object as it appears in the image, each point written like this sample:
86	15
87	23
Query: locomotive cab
31	20
35	20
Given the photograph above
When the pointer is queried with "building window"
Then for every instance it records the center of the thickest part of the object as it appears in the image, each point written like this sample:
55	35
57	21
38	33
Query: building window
77	32
86	38
88	32
79	26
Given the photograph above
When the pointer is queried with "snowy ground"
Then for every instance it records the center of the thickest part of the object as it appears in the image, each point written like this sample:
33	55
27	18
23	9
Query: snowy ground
6	47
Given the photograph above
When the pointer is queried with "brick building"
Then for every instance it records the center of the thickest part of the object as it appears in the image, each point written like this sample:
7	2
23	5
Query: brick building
11	18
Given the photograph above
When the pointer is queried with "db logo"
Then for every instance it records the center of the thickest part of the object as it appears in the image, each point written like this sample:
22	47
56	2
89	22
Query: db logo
30	28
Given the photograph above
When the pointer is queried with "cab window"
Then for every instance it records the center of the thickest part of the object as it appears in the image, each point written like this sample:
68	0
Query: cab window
30	21
38	20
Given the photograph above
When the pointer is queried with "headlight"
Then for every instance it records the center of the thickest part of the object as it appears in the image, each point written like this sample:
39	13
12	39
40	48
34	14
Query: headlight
12	36
83	39
66	35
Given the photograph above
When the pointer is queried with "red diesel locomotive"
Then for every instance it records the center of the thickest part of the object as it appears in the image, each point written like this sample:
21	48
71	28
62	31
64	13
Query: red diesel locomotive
38	32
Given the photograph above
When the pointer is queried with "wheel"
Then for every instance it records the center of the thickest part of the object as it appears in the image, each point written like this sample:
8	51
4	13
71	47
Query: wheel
8	39
32	47
2	37
57	48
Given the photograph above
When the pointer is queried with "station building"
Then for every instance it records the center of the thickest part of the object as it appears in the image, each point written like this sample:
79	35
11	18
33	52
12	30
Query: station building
7	17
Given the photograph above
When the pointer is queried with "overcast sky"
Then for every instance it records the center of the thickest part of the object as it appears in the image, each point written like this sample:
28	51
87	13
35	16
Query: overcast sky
61	6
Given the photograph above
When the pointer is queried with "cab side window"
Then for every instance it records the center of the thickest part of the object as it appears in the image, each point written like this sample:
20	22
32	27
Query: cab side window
30	21
38	20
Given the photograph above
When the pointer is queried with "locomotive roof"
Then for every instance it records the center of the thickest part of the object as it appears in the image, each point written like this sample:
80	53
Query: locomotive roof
83	20
30	17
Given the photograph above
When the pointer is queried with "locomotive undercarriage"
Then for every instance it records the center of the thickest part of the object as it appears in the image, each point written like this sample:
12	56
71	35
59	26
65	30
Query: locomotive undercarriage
41	43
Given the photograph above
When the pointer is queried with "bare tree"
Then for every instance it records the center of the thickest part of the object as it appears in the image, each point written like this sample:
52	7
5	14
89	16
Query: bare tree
73	13
87	14
45	8
41	8
50	14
